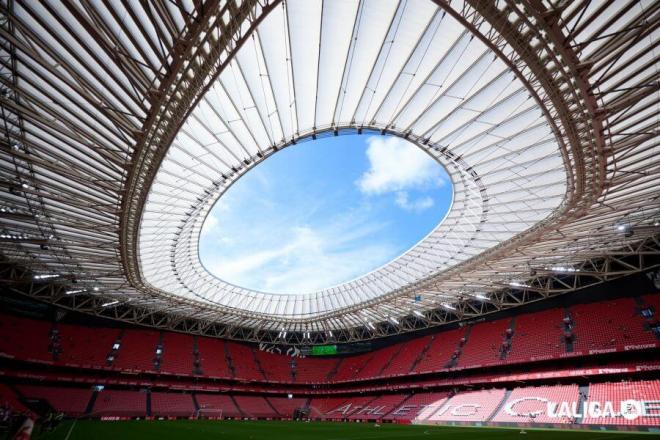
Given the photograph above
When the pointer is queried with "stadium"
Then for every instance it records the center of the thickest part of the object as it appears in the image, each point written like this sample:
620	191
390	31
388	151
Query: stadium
331	219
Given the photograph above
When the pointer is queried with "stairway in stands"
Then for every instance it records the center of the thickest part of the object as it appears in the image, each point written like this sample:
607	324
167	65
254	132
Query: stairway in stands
505	348
568	329
421	354
583	397
459	349
230	362
499	406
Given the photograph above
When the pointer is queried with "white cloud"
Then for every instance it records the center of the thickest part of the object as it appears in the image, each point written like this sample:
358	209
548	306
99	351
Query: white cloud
418	205
302	259
209	224
396	164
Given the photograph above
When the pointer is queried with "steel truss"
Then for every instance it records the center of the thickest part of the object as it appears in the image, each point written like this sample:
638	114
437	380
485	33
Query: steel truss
86	123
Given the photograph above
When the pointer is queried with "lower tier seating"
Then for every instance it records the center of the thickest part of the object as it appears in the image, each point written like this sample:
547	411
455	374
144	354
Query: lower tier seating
172	404
611	403
71	401
646	394
120	403
471	406
530	404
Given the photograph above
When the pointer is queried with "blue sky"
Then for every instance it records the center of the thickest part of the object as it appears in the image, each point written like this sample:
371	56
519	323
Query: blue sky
323	212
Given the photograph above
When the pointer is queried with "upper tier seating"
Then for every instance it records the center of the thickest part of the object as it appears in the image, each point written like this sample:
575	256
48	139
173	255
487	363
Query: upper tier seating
242	358
32	345
609	326
314	370
274	367
538	336
72	401
596	327
440	351
86	347
172	404
403	360
177	357
120	403
137	351
647	392
212	357
470	406
525	401
483	344
351	367
379	360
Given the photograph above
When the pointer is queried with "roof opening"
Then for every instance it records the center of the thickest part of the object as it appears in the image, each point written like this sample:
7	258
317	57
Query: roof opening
323	212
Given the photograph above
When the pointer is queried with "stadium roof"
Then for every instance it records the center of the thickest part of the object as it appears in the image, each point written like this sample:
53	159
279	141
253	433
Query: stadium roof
123	125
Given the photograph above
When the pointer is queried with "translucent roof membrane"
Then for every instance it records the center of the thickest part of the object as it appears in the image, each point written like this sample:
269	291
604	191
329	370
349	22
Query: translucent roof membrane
317	68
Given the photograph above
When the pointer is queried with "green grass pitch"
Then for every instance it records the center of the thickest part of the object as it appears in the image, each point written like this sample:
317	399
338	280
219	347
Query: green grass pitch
258	430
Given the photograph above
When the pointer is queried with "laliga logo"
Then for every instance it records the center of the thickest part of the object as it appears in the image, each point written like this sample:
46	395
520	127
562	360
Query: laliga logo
631	409
536	406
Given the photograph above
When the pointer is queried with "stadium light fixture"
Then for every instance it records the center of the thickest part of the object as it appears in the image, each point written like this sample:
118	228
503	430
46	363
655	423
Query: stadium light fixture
111	303
371	326
73	292
448	306
517	284
393	320
481	296
46	276
418	313
564	269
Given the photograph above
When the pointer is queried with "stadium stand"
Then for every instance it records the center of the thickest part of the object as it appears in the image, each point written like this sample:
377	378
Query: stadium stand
213	360
137	350
120	403
647	393
274	367
243	360
609	326
33	343
255	406
210	405
72	401
483	344
597	327
471	406
404	358
440	351
9	399
172	405
538	336
313	370
419	406
351	368
284	406
177	357
86	347
529	404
